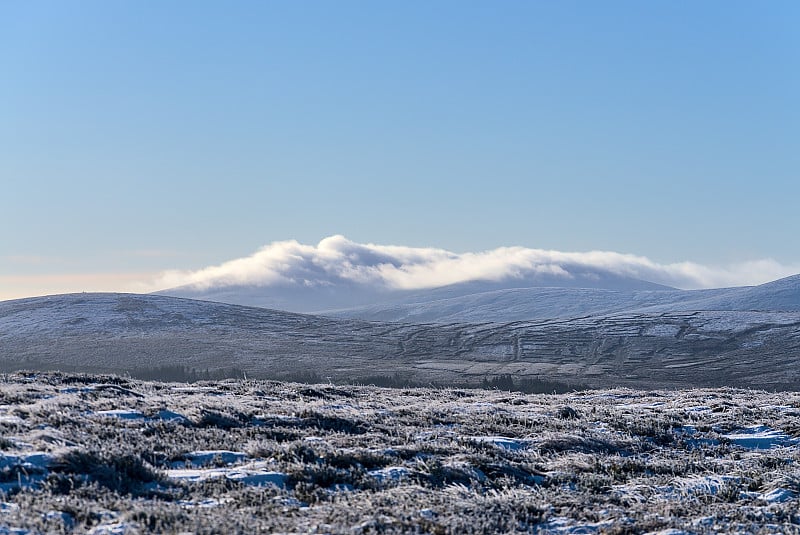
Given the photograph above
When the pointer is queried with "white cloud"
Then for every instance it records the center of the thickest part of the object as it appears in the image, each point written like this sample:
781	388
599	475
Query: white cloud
336	260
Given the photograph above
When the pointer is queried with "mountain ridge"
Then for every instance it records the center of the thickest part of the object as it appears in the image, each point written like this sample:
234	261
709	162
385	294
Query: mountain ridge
315	297
519	304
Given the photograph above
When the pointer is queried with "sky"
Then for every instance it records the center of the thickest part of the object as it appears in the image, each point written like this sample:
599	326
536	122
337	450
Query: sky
139	140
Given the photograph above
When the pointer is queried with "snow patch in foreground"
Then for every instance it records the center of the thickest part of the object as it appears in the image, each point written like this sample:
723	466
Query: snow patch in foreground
390	473
5	530
778	496
200	458
124	414
760	438
117	528
506	443
11	419
564	526
202	504
255	474
133	414
30	469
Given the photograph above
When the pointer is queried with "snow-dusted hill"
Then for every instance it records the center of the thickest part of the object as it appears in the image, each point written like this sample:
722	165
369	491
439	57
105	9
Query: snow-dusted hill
310	296
780	295
518	304
125	332
574	291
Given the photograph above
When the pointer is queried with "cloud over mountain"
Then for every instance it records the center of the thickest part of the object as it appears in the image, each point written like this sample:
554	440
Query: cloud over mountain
336	260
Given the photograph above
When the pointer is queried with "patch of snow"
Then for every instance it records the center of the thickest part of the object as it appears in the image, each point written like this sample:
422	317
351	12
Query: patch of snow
663	330
759	438
566	526
11	419
117	528
690	437
203	504
778	496
705	521
8	530
31	469
6	507
506	443
288	501
66	519
340	407
781	408
427	513
264	418
255	474
700	409
201	458
124	414
600	427
390	473
75	390
258	478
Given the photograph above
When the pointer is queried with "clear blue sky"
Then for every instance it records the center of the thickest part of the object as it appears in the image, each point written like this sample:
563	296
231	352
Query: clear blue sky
138	136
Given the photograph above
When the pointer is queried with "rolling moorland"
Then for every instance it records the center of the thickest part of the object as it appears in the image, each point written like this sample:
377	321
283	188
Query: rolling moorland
675	415
139	334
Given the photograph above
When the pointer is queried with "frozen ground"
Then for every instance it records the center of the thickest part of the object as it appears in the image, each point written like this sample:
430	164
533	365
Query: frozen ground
101	454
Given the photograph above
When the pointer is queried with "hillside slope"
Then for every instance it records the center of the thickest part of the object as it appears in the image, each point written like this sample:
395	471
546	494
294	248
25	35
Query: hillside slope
311	296
519	304
124	332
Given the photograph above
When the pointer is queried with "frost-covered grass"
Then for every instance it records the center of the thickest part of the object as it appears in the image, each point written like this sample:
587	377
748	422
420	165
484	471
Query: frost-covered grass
104	454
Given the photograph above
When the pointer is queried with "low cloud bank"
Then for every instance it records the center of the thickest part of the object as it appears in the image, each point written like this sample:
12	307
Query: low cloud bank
336	260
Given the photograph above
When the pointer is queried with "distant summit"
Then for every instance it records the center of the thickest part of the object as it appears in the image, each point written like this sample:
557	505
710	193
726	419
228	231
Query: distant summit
533	303
339	277
341	294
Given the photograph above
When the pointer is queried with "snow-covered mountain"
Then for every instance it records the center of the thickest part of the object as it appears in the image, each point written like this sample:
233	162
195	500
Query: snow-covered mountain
124	333
779	295
531	298
519	304
341	294
344	279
